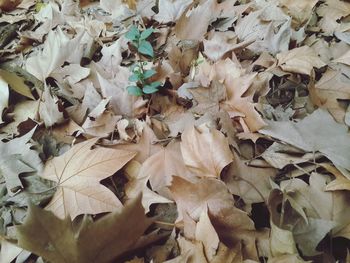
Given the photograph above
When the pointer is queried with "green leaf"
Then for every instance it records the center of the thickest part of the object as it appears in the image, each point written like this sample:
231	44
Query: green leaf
146	48
149	89
114	234
134	77
145	34
134	90
133	33
149	73
156	84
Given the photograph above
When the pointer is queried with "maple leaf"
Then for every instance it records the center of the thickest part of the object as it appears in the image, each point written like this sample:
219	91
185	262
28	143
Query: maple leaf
205	153
60	242
77	173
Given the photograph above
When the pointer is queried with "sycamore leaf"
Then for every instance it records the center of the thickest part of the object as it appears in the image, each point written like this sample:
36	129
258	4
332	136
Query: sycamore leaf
16	83
161	166
199	18
171	10
299	60
317	132
100	241
57	49
77	173
4	96
16	158
145	147
205	153
326	93
48	109
205	232
252	184
137	183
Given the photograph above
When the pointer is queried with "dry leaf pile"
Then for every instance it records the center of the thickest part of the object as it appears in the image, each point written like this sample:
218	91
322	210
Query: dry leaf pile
243	155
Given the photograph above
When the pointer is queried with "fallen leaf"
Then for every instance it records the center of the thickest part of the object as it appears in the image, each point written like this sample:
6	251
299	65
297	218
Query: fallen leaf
137	184
16	83
206	233
161	166
17	157
115	234
252	184
331	140
56	51
326	93
299	60
77	174
199	17
171	10
4	95
145	147
205	153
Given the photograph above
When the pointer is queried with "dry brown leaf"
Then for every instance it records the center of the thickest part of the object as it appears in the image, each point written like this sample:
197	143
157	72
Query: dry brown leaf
328	90
199	17
77	174
212	194
206	234
238	105
145	147
171	10
299	60
137	183
161	166
205	153
252	184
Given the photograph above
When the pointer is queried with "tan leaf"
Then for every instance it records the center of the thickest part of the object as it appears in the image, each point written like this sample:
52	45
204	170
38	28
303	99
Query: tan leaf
199	17
161	166
332	140
137	184
171	10
77	173
252	184
206	233
4	96
99	241
239	105
145	147
299	60
332	86
16	83
300	10
205	153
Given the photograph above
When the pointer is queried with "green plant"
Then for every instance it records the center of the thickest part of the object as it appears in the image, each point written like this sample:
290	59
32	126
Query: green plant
140	75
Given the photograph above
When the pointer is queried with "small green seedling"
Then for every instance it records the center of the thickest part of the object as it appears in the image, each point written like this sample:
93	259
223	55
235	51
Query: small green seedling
140	76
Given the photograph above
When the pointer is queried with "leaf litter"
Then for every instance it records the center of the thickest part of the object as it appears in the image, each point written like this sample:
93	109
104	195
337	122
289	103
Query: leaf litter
174	131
